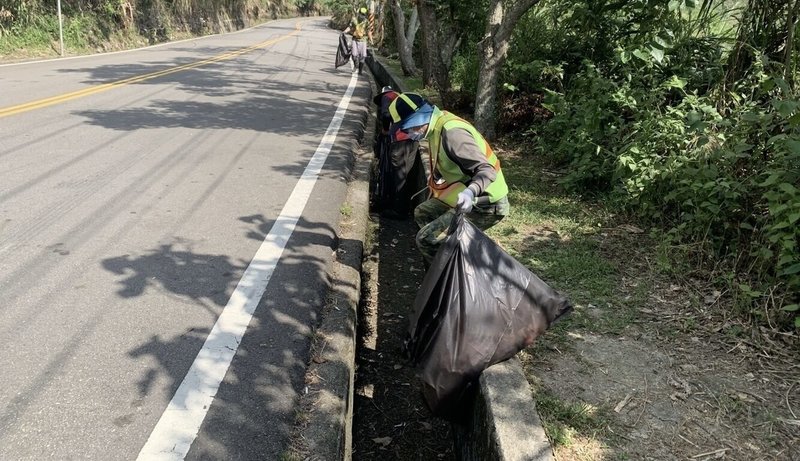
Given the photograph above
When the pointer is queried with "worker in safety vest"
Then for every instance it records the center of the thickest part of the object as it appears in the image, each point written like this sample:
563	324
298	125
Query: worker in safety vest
465	172
359	28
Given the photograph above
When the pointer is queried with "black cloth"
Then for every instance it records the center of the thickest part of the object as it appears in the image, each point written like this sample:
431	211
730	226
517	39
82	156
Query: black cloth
477	306
342	52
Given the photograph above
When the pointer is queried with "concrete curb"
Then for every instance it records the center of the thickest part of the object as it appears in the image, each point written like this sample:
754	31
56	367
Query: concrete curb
324	420
505	425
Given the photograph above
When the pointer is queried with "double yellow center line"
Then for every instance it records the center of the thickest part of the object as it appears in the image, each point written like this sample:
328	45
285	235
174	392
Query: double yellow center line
18	109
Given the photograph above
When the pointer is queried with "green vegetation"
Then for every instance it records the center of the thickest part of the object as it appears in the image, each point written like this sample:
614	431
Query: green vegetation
567	421
683	115
650	118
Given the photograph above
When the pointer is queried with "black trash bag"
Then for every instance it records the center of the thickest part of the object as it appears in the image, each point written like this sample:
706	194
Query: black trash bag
343	51
477	306
393	190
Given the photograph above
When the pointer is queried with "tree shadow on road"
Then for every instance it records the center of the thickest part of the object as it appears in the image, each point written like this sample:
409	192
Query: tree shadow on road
200	277
256	399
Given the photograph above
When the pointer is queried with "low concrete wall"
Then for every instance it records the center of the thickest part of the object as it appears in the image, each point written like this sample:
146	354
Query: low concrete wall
504	425
324	419
382	75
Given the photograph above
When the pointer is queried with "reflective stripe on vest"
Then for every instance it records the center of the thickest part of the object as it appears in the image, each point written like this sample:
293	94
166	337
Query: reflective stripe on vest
454	179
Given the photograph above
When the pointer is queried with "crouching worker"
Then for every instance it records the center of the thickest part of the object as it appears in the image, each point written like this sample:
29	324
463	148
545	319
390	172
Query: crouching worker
465	172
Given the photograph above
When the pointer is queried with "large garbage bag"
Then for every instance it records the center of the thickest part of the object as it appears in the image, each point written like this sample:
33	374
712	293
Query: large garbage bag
477	306
396	162
343	51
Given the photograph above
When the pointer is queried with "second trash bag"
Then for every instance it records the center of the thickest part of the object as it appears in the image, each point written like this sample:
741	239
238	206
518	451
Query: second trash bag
477	306
342	51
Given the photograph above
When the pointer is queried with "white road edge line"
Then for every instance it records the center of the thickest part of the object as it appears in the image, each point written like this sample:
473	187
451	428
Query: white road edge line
179	424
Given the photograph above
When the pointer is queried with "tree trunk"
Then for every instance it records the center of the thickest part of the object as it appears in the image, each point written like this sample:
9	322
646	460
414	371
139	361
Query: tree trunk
791	25
404	46
413	27
427	20
503	16
440	41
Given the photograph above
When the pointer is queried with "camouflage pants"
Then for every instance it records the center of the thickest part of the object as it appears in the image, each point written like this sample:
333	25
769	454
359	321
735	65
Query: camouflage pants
434	217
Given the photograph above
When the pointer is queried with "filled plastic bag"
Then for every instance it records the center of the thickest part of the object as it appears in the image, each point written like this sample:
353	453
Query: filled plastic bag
396	163
477	306
343	51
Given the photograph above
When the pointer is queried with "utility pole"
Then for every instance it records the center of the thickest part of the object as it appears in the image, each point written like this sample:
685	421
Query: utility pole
60	29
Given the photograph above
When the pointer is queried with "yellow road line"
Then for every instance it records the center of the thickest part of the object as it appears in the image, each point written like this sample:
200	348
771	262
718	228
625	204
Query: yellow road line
18	109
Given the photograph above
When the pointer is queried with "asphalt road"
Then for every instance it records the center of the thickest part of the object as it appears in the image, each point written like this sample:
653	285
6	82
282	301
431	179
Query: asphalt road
143	194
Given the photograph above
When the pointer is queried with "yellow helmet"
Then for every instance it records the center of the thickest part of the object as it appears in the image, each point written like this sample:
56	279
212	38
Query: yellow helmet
362	10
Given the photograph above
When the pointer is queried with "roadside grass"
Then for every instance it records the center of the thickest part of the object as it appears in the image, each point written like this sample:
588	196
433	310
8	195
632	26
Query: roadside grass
566	422
346	210
565	241
83	34
393	65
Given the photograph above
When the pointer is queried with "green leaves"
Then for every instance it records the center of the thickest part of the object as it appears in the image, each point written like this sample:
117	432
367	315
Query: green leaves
675	82
657	54
641	54
747	290
650	125
791	270
675	5
786	108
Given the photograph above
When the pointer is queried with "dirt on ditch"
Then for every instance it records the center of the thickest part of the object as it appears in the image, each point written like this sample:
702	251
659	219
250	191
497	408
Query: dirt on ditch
391	421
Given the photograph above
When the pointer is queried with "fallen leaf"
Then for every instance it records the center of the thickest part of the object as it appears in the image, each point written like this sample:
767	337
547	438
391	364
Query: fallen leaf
623	402
681	385
631	229
383	441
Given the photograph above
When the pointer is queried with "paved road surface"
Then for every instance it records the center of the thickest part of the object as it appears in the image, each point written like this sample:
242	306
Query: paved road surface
143	194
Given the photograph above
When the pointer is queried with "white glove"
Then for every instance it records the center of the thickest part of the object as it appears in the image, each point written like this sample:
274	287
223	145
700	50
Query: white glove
465	199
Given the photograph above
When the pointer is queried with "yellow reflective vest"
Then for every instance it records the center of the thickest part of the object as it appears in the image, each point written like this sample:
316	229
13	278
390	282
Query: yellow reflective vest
452	180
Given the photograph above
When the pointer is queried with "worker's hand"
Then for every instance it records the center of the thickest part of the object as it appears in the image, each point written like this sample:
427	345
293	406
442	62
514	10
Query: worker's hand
465	200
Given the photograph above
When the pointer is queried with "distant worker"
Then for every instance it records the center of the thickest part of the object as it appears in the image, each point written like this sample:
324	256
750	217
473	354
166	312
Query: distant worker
383	100
396	160
465	172
359	28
